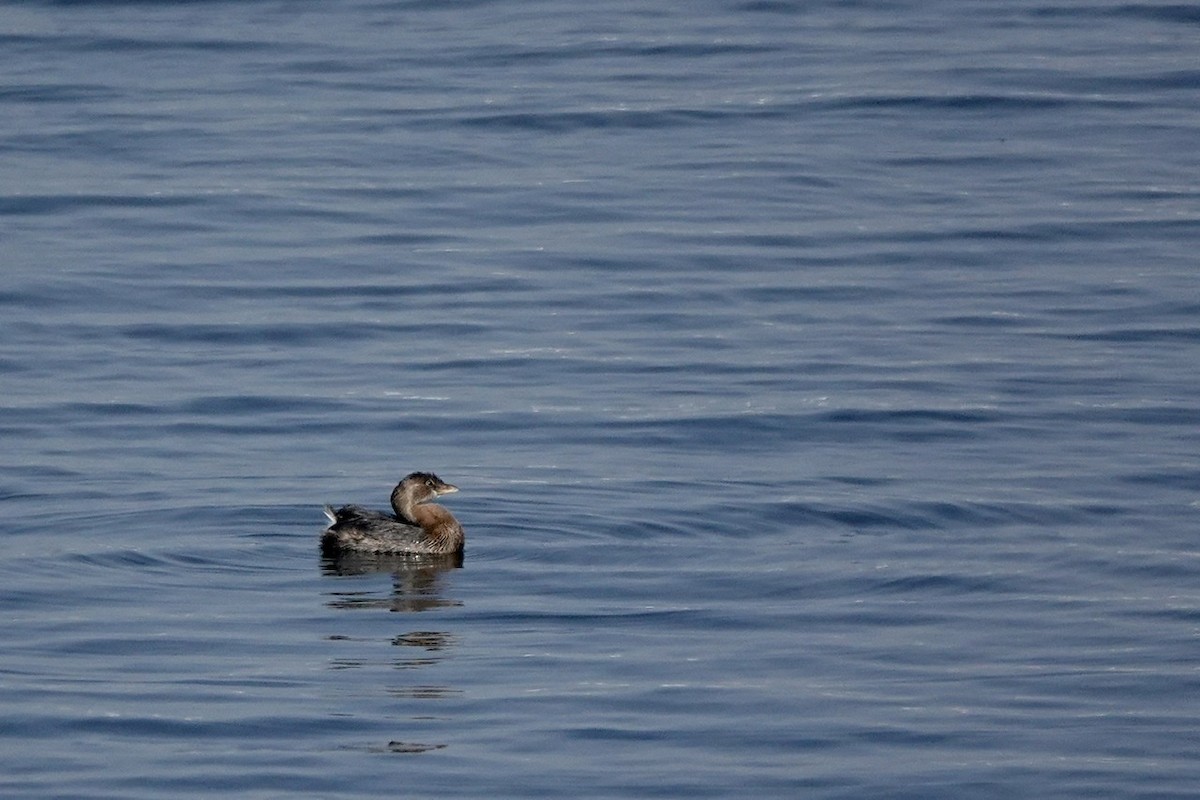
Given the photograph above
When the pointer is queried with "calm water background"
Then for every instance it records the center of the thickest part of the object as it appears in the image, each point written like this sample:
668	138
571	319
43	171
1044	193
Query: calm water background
822	380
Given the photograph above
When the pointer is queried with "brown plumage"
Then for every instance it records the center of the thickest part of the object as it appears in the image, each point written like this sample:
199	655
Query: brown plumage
416	526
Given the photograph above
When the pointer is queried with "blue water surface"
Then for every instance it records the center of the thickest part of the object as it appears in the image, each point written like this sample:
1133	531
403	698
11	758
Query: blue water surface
821	380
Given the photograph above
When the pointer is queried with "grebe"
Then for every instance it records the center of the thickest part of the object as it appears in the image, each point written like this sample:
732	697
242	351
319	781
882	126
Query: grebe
419	526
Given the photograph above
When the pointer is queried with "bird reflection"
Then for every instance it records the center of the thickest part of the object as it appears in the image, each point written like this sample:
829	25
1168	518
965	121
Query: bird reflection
426	640
427	644
418	581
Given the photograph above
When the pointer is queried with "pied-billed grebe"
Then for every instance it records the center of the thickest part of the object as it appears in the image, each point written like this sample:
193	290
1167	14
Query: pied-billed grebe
418	526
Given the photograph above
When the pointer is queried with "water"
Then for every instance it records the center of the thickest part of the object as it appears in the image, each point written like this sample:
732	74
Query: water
821	380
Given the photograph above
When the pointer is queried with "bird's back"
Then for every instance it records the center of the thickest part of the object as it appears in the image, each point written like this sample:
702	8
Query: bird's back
362	530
